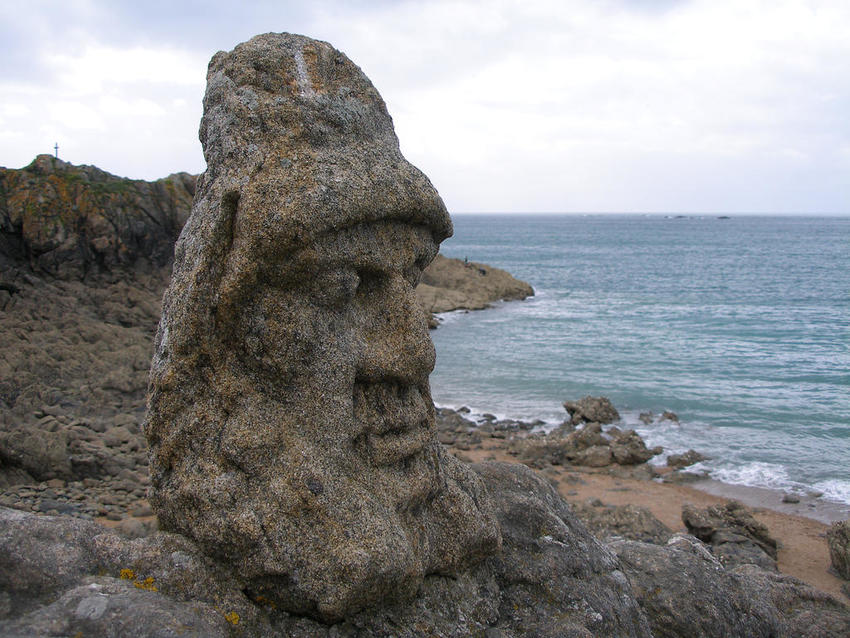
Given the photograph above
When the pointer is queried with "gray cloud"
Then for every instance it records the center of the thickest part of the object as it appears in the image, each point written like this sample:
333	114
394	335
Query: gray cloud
539	105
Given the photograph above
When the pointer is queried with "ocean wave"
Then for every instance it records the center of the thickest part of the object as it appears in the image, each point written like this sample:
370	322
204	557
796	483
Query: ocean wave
834	490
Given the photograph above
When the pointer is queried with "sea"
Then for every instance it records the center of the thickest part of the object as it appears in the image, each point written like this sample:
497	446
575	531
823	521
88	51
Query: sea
739	325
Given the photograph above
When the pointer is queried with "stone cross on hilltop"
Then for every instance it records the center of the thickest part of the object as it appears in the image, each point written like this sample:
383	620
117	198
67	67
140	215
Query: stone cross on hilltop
56	148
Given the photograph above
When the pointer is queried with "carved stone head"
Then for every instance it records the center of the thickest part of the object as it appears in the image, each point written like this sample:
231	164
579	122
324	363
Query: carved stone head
290	424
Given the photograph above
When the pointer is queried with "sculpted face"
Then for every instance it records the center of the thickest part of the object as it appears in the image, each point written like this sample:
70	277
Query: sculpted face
335	330
290	421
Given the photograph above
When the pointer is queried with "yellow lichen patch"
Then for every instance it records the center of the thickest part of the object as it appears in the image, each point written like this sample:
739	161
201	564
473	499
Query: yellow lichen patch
232	618
146	584
262	600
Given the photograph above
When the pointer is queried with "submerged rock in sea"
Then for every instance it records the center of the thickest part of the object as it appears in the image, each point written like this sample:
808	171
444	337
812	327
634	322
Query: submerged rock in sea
591	410
291	425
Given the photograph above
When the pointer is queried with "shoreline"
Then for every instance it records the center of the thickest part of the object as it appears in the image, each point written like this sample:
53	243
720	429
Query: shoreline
817	508
803	551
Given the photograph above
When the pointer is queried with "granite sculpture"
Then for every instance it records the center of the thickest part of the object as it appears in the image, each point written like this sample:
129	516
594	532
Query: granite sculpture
291	426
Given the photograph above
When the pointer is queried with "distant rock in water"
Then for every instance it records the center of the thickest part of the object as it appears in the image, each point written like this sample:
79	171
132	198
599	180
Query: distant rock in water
453	284
73	221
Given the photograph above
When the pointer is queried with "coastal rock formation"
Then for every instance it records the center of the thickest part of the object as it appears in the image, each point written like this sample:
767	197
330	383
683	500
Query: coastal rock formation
588	446
290	425
551	578
452	284
838	539
735	537
591	410
686	459
322	456
685	591
621	521
53	216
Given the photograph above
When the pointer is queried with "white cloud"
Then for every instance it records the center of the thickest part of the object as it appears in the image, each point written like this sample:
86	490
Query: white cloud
506	105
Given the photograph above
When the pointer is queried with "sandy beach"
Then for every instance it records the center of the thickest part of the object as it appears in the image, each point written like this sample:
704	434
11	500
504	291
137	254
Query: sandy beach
803	551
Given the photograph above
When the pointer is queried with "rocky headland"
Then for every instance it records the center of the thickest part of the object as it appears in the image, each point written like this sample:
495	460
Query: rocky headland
300	481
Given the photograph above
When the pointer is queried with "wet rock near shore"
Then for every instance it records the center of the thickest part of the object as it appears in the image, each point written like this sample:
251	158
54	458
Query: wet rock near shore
686	459
588	447
591	410
734	535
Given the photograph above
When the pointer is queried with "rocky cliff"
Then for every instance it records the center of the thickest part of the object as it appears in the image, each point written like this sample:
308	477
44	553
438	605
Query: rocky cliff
75	222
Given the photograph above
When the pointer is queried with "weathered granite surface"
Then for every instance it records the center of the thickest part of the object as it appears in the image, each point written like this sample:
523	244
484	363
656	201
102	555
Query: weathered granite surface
838	539
734	535
290	424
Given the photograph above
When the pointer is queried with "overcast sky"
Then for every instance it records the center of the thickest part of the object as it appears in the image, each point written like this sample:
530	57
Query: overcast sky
539	106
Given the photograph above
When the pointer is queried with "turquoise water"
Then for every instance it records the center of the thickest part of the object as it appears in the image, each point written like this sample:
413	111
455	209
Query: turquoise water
741	326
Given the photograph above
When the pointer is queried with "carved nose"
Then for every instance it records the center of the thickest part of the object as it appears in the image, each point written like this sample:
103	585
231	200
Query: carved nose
396	340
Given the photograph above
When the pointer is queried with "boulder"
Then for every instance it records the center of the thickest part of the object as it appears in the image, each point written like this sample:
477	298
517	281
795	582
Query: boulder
678	461
290	422
685	591
621	521
735	537
802	610
591	409
629	449
838	539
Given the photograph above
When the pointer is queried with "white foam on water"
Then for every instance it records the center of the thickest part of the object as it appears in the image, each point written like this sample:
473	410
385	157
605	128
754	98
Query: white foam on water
834	490
757	474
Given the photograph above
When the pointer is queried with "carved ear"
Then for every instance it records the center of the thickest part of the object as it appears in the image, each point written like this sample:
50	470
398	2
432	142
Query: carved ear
227	221
235	275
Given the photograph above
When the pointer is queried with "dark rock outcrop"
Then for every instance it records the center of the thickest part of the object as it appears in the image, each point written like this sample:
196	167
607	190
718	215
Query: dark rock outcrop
591	410
621	521
735	537
685	591
838	539
76	221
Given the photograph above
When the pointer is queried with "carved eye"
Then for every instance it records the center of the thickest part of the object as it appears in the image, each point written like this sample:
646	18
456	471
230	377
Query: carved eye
335	288
370	281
